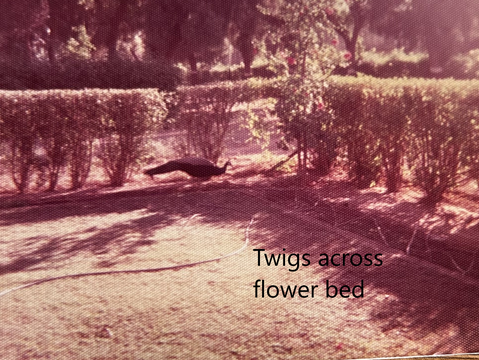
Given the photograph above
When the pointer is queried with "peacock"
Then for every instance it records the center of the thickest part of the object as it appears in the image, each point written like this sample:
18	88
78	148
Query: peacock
193	166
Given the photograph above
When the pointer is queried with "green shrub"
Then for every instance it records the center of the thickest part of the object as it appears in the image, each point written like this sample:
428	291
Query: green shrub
205	116
441	134
19	131
64	124
464	66
233	73
349	101
123	127
388	107
434	122
204	113
307	124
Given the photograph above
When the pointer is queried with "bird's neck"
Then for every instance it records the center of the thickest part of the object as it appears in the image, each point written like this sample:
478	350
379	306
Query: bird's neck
223	169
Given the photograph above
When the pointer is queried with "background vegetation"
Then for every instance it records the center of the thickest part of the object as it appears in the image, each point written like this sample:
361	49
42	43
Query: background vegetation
379	128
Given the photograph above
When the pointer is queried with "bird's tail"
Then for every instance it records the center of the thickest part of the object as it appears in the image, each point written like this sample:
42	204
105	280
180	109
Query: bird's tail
162	169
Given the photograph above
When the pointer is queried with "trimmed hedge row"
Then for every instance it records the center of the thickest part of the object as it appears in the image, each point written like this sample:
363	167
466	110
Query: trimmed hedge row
203	113
430	127
56	129
383	126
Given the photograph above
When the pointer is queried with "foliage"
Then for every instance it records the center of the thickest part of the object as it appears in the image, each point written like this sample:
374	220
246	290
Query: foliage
305	121
435	120
80	47
399	63
348	18
56	31
388	106
178	29
19	131
304	42
122	133
62	125
442	28
396	63
234	73
464	66
348	100
258	124
441	132
22	24
205	115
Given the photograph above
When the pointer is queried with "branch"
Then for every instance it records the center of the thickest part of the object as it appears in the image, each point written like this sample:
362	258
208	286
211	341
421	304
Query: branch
380	232
408	249
283	161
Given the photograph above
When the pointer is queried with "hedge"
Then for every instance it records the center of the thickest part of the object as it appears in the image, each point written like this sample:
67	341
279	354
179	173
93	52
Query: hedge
384	127
63	124
76	74
429	125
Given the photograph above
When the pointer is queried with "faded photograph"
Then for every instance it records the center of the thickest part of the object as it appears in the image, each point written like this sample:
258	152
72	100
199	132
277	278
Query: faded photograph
247	179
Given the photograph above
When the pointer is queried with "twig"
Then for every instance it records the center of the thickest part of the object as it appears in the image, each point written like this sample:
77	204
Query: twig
283	161
408	249
426	242
461	270
187	221
380	232
472	262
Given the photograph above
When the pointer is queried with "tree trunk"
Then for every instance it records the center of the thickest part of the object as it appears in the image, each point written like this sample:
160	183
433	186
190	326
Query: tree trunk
114	31
194	79
246	48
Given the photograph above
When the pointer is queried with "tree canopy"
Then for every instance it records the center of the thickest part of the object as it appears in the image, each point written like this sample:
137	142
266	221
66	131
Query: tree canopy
195	31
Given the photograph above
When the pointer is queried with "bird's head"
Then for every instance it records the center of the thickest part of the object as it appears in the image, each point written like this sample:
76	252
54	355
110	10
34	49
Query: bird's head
148	172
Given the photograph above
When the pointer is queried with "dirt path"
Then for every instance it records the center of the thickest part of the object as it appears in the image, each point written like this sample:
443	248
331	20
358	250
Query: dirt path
210	311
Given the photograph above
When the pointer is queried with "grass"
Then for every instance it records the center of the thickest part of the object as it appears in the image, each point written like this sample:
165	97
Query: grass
209	311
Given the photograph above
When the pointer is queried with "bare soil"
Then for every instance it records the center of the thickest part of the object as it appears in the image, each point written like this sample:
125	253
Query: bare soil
422	300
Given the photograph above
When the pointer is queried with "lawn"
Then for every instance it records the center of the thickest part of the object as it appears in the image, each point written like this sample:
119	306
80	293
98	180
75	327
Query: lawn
209	311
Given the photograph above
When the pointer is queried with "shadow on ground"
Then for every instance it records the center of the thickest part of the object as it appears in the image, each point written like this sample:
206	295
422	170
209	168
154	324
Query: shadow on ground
404	295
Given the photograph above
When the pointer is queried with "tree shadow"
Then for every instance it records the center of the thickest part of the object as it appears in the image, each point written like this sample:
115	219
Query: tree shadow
158	208
404	295
424	232
112	243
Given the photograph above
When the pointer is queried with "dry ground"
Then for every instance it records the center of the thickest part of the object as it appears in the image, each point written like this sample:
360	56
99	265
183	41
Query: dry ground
209	311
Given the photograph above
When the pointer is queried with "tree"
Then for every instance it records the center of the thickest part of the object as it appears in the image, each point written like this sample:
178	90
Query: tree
103	22
22	24
64	17
304	41
184	31
348	19
443	25
114	20
443	28
196	30
247	24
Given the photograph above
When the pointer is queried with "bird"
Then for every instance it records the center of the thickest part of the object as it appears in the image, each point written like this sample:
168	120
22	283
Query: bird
193	166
